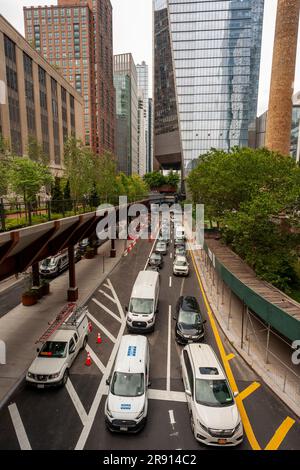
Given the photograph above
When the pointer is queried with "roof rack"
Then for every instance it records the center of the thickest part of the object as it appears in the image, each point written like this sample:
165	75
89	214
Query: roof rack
59	320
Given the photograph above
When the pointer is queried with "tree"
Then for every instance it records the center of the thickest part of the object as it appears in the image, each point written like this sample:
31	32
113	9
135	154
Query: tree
27	177
35	151
67	196
79	164
154	180
105	177
173	179
254	195
57	196
136	188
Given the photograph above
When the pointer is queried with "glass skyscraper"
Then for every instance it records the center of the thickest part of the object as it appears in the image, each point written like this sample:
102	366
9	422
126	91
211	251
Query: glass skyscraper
211	74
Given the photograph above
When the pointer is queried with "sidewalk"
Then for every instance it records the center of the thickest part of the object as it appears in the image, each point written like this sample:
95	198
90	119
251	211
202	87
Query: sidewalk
23	326
272	364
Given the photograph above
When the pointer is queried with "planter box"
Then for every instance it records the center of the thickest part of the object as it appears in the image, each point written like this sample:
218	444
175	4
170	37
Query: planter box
29	299
45	289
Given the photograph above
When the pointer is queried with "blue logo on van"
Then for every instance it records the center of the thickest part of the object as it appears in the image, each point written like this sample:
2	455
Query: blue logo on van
125	407
131	351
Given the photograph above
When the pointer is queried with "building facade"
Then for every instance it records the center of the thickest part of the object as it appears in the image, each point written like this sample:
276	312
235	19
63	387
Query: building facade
143	84
150	137
142	136
76	37
207	60
39	103
126	141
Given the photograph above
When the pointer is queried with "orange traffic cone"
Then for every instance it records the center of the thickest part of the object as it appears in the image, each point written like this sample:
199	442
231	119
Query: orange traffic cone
99	339
88	361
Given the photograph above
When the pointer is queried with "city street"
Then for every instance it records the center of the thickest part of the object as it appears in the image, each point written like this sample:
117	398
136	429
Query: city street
73	417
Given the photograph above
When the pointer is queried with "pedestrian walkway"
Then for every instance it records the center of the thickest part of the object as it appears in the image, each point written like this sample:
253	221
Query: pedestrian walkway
21	327
267	353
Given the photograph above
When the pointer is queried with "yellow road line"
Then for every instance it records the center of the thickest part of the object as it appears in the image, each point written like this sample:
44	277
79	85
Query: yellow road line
249	390
246	422
280	434
229	357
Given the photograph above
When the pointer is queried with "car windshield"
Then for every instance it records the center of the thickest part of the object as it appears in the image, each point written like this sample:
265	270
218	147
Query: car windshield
127	385
142	306
189	318
155	257
160	245
180	263
55	349
214	393
48	262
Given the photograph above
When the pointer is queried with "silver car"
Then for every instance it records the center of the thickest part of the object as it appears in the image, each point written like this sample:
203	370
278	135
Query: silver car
161	248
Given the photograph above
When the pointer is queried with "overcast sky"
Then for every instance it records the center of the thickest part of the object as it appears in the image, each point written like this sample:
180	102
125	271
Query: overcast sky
133	33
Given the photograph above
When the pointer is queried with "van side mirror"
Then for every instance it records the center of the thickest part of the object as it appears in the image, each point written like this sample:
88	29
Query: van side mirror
188	393
72	349
236	394
174	318
107	381
126	308
38	350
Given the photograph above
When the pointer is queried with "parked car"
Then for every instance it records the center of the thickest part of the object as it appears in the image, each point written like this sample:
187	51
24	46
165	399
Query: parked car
83	245
54	265
51	366
156	259
161	248
189	321
215	418
181	266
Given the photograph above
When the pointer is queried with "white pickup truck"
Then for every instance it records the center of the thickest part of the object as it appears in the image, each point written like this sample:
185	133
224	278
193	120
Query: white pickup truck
51	366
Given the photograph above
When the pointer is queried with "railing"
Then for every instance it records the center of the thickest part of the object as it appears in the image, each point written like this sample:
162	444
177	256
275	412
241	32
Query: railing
18	215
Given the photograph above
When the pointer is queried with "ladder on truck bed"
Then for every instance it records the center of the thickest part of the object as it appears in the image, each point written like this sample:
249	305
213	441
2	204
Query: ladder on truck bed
59	320
77	313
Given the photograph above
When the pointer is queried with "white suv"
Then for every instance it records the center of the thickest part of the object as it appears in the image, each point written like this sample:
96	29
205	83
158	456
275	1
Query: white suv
181	266
215	418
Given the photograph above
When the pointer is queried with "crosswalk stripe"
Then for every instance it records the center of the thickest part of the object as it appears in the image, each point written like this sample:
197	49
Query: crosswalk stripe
19	427
107	310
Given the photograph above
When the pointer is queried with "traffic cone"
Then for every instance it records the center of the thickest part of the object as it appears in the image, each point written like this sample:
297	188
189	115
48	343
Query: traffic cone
88	361
99	339
90	327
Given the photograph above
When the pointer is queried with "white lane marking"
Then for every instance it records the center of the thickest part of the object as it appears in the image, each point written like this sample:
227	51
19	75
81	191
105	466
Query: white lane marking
166	395
95	358
76	401
106	285
151	251
107	296
171	255
172	418
19	427
182	286
169	351
100	392
121	311
102	328
170	281
112	314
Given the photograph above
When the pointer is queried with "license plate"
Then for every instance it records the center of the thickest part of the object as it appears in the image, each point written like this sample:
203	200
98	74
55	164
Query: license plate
222	442
123	429
41	386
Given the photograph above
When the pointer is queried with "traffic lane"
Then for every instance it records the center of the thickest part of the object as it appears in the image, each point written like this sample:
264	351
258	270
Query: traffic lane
158	433
49	418
267	413
11	297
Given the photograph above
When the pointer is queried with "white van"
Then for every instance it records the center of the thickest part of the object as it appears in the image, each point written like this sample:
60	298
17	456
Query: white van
180	233
143	305
215	418
126	406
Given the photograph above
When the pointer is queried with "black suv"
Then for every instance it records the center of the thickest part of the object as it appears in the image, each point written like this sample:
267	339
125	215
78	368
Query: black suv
156	260
189	321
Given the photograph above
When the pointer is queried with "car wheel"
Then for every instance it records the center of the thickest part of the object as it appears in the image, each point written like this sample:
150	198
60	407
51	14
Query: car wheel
65	378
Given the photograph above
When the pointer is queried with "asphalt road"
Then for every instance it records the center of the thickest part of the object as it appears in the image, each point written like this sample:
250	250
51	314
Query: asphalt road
73	417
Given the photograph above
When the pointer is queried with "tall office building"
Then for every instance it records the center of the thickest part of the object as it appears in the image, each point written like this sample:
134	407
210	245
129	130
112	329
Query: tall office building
206	58
38	103
126	141
143	84
142	135
150	135
76	37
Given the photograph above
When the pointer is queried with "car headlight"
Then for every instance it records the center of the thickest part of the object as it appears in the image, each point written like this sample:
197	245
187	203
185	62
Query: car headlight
141	413
30	375
108	412
54	376
202	426
129	319
237	427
